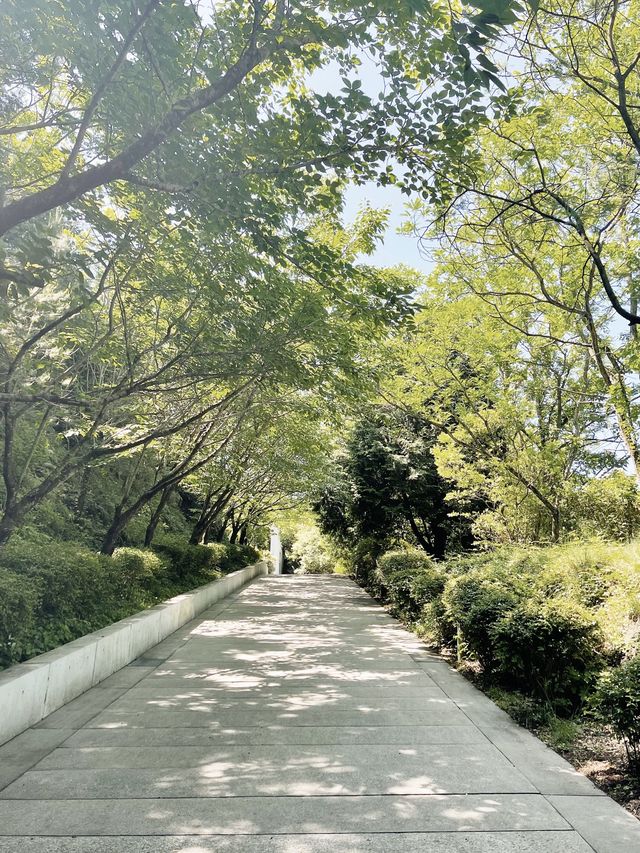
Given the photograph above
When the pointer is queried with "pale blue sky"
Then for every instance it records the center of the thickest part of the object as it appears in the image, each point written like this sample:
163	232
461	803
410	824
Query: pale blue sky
397	248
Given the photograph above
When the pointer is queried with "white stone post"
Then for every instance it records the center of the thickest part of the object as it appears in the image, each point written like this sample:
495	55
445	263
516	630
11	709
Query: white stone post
275	549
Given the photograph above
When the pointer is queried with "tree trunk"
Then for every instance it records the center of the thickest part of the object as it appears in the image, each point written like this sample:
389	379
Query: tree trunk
199	532
112	536
439	541
82	492
422	540
210	511
156	515
8	523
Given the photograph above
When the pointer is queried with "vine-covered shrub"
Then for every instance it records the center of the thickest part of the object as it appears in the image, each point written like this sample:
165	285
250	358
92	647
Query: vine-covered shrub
618	702
53	592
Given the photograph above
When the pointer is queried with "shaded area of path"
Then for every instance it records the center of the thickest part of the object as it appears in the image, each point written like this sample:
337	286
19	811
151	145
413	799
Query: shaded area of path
295	717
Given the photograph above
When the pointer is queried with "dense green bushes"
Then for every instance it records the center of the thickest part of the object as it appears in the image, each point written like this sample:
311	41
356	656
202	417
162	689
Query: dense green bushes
18	602
550	650
53	592
410	580
540	622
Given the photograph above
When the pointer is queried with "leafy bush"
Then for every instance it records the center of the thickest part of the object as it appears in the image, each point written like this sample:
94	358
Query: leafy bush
618	702
75	592
362	562
410	580
435	624
53	592
550	650
474	604
134	570
188	562
19	599
234	557
540	621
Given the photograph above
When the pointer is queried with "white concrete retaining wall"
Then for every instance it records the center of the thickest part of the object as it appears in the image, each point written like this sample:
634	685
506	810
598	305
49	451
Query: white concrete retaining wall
31	691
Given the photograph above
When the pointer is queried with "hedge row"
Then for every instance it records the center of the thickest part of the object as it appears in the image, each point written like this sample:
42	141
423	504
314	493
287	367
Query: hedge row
53	593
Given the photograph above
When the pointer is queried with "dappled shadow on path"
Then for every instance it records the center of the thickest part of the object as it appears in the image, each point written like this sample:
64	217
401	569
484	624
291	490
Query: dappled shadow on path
301	708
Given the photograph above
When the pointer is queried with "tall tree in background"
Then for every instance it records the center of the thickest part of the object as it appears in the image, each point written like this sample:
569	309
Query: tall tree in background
387	486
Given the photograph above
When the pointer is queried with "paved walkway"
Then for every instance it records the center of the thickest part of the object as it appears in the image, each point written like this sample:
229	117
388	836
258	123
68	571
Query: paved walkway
295	717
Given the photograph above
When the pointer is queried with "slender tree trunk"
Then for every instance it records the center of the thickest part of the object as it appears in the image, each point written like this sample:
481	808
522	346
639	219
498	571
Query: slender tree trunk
218	531
112	536
556	525
422	540
156	515
210	511
439	541
199	531
81	502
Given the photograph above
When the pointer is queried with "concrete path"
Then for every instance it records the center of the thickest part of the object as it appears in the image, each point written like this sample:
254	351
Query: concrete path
295	717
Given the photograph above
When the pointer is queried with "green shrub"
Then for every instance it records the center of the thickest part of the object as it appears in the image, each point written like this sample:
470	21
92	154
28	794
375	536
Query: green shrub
618	702
234	557
138	575
53	592
409	579
76	593
190	563
362	563
19	602
550	650
474	604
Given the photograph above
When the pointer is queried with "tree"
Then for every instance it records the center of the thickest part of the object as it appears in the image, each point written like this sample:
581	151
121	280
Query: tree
388	487
135	92
518	415
537	228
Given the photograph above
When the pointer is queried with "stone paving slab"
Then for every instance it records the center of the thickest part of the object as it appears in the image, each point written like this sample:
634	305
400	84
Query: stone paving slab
270	771
25	750
548	771
271	735
435	712
416	842
281	815
320	689
126	677
601	822
79	711
295	717
206	702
